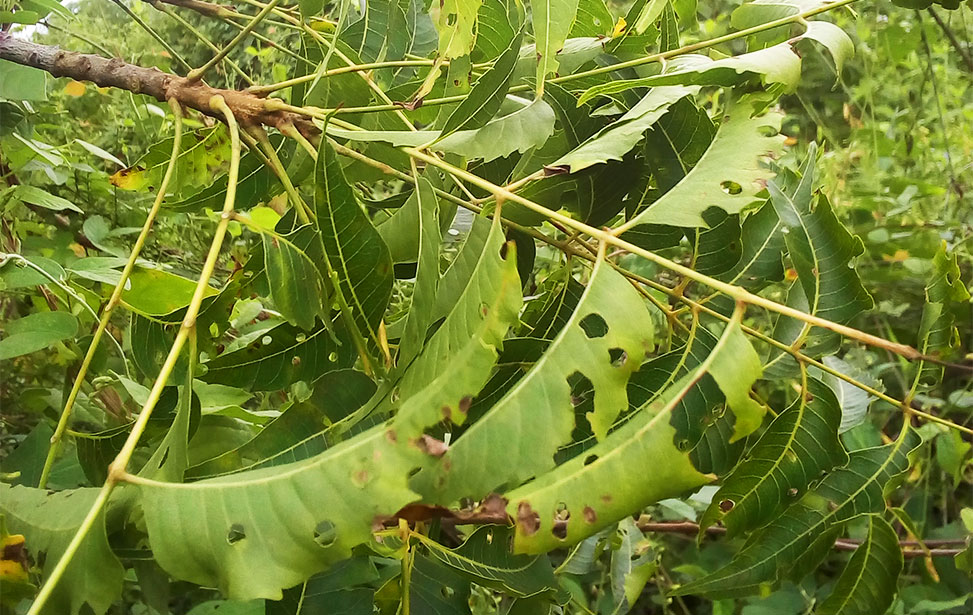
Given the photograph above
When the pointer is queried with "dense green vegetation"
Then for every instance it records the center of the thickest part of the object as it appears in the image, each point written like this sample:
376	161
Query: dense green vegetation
486	306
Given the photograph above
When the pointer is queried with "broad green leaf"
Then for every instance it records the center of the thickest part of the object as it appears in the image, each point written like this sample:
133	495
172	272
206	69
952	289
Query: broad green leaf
354	249
937	332
777	64
154	292
98	268
424	292
800	537
281	356
296	286
798	446
456	23
552	21
607	481
834	39
618	138
18	275
867	585
822	250
36	332
171	457
648	13
598	341
727	176
48	521
41	198
528	126
485	558
488	93
19	82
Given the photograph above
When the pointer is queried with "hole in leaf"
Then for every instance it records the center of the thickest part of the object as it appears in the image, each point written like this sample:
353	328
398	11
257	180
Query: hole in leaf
594	326
683	445
333	357
235	534
617	356
447	592
265	340
768	131
451	19
300	338
727	505
731	187
590	459
792	492
325	534
560	530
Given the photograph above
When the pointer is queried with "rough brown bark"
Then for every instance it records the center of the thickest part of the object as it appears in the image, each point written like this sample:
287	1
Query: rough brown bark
115	73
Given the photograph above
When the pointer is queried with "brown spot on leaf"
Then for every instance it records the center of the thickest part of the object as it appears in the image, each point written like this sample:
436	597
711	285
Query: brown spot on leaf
589	514
727	505
528	519
465	403
392	436
606	498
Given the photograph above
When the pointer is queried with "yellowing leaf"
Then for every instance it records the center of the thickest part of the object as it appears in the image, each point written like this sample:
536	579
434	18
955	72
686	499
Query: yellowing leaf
619	28
74	88
132	178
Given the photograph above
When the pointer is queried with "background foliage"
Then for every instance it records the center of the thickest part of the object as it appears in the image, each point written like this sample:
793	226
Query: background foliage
331	359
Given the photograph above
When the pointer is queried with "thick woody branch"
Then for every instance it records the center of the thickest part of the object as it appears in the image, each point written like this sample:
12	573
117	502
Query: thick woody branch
247	108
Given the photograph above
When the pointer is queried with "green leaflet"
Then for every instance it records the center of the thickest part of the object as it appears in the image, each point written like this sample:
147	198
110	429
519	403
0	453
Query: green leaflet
354	249
727	176
631	566
204	153
427	274
294	520
485	557
608	481
519	435
456	23
495	28
484	100
435	588
777	64
42	198
296	286
834	39
470	335
821	249
552	21
528	126
937	333
867	585
48	521
36	332
801	536
154	292
735	379
800	444
283	355
298	518
616	140
593	19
